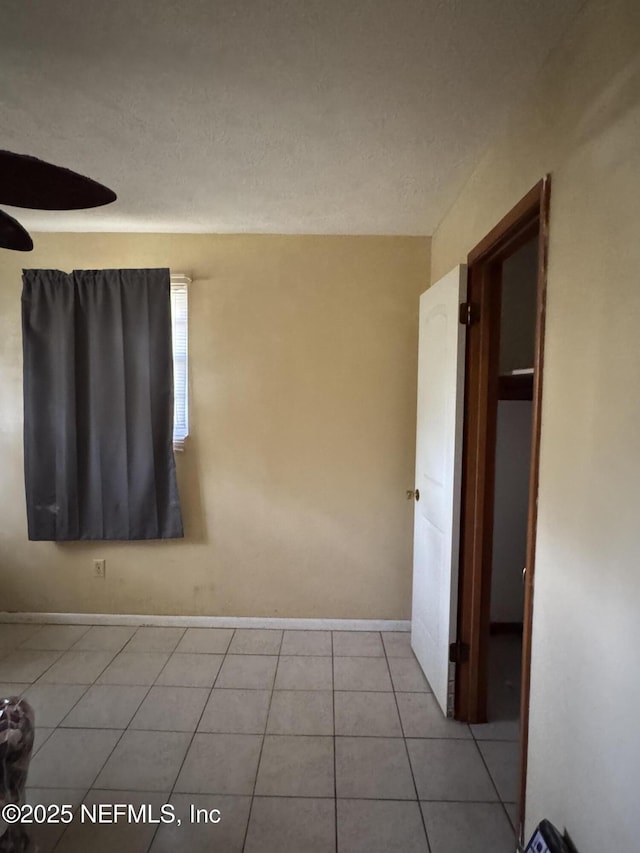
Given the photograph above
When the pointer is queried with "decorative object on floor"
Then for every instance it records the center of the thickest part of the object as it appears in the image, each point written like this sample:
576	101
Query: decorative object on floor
547	839
26	181
17	729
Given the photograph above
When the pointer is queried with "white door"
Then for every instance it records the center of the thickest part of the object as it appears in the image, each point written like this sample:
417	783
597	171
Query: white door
438	467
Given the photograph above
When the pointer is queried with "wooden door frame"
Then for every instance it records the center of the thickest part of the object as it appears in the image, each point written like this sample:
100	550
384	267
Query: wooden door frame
530	217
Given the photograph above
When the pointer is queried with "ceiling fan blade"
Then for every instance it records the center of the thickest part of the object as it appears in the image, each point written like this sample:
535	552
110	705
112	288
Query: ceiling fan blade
29	182
13	235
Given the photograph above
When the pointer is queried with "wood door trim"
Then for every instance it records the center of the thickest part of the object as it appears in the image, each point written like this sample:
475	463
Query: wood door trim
528	218
534	479
511	232
481	393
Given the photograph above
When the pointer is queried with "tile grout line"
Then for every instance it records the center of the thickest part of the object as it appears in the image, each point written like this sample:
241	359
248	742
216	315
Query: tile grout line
22	647
228	654
195	731
95	684
272	734
94	729
86	687
91	786
131	638
406	748
495	787
362	799
53	663
127	728
264	737
72	684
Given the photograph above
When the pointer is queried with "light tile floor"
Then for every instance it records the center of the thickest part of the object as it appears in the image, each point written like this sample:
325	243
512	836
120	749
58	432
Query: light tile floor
305	741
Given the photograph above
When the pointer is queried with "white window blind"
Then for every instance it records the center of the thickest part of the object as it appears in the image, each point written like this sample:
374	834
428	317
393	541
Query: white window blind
180	333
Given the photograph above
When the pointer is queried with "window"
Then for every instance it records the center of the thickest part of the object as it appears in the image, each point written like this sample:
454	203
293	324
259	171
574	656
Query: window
179	327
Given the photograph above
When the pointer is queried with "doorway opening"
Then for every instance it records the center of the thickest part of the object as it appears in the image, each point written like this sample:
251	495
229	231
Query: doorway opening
503	390
512	464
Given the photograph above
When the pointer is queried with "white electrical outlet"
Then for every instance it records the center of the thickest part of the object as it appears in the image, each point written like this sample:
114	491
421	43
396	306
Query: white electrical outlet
99	568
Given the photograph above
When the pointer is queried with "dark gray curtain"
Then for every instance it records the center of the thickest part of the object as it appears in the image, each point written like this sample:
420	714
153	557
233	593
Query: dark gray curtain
98	405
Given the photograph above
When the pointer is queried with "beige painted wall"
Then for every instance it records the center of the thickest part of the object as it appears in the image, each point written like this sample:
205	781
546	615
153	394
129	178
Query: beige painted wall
303	372
582	123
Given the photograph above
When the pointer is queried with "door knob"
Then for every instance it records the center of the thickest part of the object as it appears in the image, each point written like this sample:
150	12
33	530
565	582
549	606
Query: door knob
417	494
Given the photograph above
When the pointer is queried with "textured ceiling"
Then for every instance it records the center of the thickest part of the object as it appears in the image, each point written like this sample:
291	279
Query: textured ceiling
271	116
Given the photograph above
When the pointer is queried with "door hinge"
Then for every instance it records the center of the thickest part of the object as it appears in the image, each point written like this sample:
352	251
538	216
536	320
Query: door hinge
458	652
468	313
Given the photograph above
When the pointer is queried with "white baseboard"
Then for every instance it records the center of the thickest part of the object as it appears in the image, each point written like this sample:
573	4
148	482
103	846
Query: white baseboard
208	621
